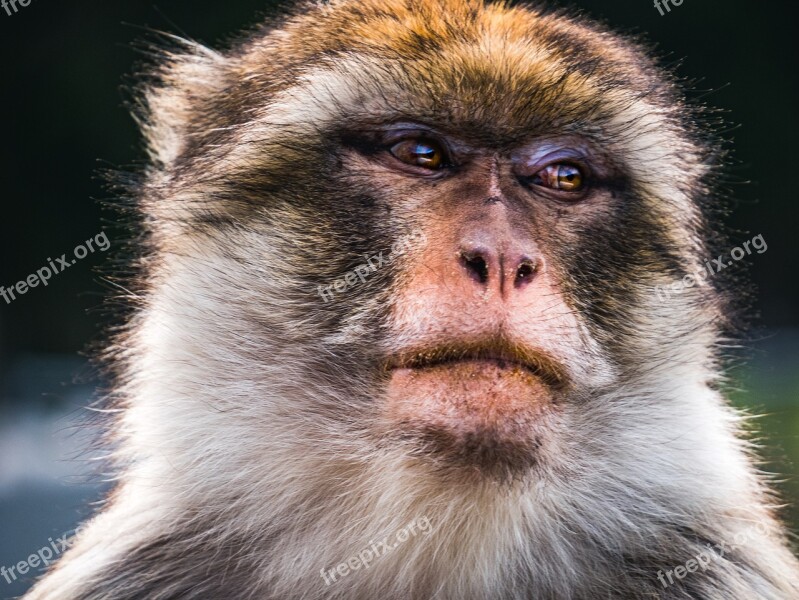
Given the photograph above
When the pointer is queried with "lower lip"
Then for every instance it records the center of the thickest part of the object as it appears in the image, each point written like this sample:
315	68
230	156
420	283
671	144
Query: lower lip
469	396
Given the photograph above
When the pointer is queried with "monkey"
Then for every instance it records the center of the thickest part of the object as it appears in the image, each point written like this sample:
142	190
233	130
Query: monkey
499	190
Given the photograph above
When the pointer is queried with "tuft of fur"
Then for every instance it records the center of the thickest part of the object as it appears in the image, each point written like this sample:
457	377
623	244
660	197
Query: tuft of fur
247	442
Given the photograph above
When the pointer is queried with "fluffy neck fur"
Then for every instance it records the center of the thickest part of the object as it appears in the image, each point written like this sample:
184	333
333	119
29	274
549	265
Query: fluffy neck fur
213	506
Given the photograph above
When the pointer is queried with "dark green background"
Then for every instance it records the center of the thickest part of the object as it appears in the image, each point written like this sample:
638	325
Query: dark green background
62	119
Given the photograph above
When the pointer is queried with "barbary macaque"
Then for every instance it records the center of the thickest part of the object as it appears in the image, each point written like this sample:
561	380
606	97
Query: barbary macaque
510	378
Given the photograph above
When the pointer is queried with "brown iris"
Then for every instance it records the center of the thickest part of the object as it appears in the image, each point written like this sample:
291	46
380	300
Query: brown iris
419	153
560	176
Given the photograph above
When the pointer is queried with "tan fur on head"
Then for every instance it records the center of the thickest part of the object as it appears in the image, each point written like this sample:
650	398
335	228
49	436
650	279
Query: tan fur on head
252	445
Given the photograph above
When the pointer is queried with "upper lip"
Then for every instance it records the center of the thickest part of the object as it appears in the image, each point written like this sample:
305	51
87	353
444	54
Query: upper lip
493	349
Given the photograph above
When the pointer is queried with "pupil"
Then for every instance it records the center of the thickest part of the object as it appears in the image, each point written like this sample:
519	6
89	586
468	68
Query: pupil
426	155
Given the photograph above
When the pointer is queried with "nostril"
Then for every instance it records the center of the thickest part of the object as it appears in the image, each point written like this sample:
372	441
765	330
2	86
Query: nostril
525	273
475	265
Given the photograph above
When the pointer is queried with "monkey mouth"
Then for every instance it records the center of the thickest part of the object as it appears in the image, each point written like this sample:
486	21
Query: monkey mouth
486	406
497	352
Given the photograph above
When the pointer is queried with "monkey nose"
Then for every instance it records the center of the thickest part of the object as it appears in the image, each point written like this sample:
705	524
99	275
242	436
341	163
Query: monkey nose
504	270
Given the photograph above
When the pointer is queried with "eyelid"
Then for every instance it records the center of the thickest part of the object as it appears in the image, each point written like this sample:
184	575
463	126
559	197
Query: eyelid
397	135
558	157
593	161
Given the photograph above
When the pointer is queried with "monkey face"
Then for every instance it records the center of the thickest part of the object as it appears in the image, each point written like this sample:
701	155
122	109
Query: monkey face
514	253
455	237
482	344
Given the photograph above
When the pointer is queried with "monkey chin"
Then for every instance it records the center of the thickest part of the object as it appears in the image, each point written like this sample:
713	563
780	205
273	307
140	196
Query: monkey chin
480	416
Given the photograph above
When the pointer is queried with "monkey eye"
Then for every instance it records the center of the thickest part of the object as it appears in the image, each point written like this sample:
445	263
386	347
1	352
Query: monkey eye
419	153
560	176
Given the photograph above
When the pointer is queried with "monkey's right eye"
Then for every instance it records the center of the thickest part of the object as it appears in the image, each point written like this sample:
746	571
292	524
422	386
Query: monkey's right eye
419	153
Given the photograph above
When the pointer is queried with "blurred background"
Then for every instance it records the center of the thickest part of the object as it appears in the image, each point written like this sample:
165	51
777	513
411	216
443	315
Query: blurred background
64	66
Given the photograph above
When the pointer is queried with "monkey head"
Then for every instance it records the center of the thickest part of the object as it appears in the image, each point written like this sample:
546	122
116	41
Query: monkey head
401	260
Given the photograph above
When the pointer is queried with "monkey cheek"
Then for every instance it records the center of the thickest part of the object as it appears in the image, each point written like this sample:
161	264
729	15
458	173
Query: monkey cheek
481	414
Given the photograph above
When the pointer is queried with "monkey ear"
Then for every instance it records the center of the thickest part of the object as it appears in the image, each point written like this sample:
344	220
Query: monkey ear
169	100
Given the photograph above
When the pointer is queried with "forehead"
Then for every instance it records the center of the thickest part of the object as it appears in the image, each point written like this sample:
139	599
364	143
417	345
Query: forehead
486	70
